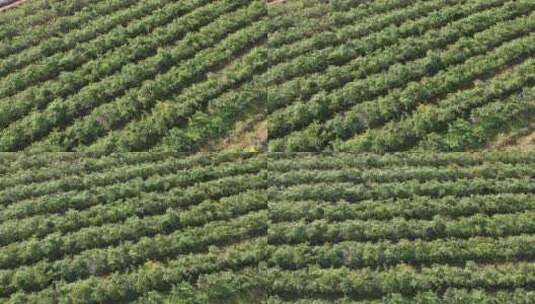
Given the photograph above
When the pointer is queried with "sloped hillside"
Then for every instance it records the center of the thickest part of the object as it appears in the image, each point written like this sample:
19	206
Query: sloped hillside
403	228
385	75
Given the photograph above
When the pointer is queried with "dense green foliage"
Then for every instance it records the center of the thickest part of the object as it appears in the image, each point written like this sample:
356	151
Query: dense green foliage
129	75
254	228
402	228
254	75
82	228
385	75
176	224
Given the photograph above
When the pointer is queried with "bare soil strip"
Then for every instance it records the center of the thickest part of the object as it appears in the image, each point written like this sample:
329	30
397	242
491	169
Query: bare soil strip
4	5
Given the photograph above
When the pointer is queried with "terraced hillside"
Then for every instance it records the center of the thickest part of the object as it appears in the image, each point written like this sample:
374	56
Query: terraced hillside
132	228
388	75
132	75
402	228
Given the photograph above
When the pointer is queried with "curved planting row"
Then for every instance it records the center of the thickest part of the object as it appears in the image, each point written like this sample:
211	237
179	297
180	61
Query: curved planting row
117	228
85	74
400	228
355	87
276	228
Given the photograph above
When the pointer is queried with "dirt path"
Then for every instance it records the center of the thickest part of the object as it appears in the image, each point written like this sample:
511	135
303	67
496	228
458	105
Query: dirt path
10	4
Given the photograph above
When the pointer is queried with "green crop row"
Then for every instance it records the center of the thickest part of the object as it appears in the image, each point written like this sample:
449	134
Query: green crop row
106	56
403	279
358	98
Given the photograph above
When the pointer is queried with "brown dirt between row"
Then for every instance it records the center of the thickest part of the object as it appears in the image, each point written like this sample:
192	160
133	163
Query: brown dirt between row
12	5
275	1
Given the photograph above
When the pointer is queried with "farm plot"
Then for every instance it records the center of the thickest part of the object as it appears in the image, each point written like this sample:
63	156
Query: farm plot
385	75
402	228
280	228
131	75
132	228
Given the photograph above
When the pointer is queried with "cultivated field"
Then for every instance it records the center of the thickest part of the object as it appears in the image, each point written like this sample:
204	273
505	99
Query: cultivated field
250	228
216	96
449	228
132	228
294	75
389	75
131	75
